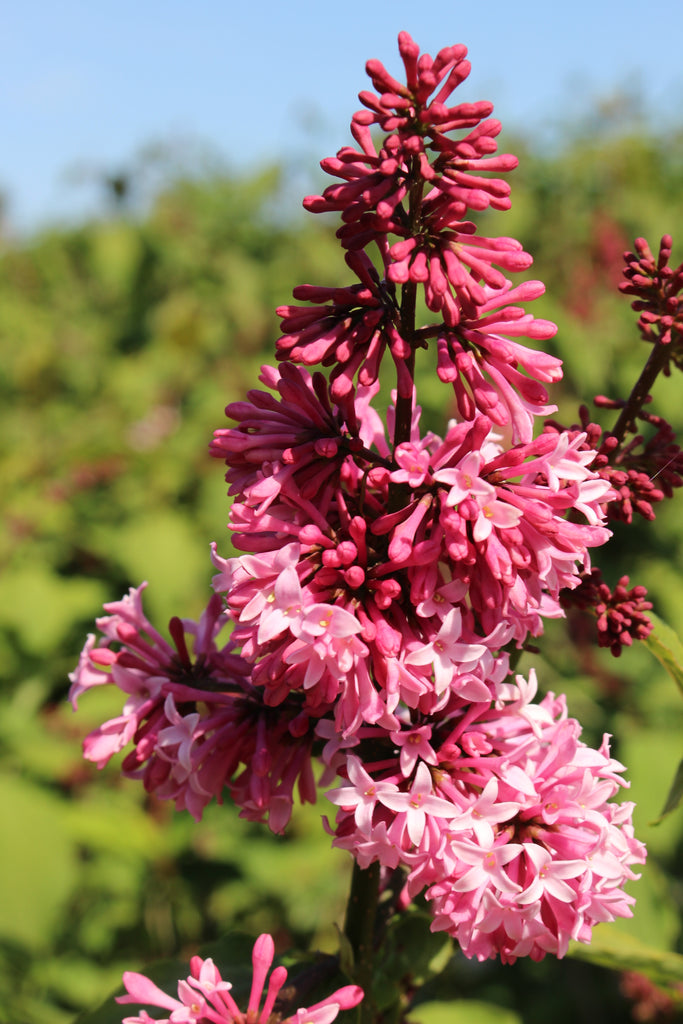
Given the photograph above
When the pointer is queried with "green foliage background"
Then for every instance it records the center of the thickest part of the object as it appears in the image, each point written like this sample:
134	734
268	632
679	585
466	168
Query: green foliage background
122	341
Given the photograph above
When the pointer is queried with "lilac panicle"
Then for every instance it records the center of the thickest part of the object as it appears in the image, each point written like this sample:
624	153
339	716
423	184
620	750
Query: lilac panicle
384	574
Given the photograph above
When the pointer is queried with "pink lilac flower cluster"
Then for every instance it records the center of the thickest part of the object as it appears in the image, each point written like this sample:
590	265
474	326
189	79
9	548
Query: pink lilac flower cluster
204	998
364	608
385	573
642	472
399	192
650	1002
501	813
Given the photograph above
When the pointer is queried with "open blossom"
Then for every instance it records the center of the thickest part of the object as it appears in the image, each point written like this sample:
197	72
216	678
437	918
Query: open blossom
205	998
641	473
558	865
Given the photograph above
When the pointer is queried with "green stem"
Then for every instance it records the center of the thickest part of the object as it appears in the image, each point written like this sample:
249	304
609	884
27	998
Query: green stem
359	928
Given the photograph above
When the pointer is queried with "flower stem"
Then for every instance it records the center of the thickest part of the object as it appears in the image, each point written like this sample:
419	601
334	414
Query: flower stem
641	389
404	406
359	928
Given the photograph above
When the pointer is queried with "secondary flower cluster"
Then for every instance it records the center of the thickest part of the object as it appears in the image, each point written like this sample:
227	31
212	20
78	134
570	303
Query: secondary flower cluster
196	726
385	573
204	998
642	472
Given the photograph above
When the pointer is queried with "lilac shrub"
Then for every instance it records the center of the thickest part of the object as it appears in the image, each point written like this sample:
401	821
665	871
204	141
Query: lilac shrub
387	577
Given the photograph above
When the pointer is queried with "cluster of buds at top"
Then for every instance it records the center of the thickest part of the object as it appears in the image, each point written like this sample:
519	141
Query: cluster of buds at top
385	571
409	199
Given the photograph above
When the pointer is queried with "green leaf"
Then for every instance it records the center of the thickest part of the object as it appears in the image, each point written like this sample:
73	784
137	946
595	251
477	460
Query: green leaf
675	795
152	547
612	948
412	954
667	648
652	755
464	1011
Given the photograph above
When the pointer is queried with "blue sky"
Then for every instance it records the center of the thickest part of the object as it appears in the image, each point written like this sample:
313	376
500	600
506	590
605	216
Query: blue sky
84	85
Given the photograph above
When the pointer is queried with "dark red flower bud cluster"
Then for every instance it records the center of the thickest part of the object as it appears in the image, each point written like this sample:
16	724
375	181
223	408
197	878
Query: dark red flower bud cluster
650	1003
657	288
620	613
641	472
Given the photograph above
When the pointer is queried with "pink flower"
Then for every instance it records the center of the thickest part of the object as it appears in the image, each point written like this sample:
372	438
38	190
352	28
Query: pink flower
486	870
621	613
512	833
491	373
450	265
445	652
375	183
657	288
204	998
414	744
361	795
415	804
296	442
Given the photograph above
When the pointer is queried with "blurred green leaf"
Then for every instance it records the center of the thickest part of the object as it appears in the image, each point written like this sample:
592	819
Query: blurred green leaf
610	947
667	648
42	607
38	863
675	795
462	1011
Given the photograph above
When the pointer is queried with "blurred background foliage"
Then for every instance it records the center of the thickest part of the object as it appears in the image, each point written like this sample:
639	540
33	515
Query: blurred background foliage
122	340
